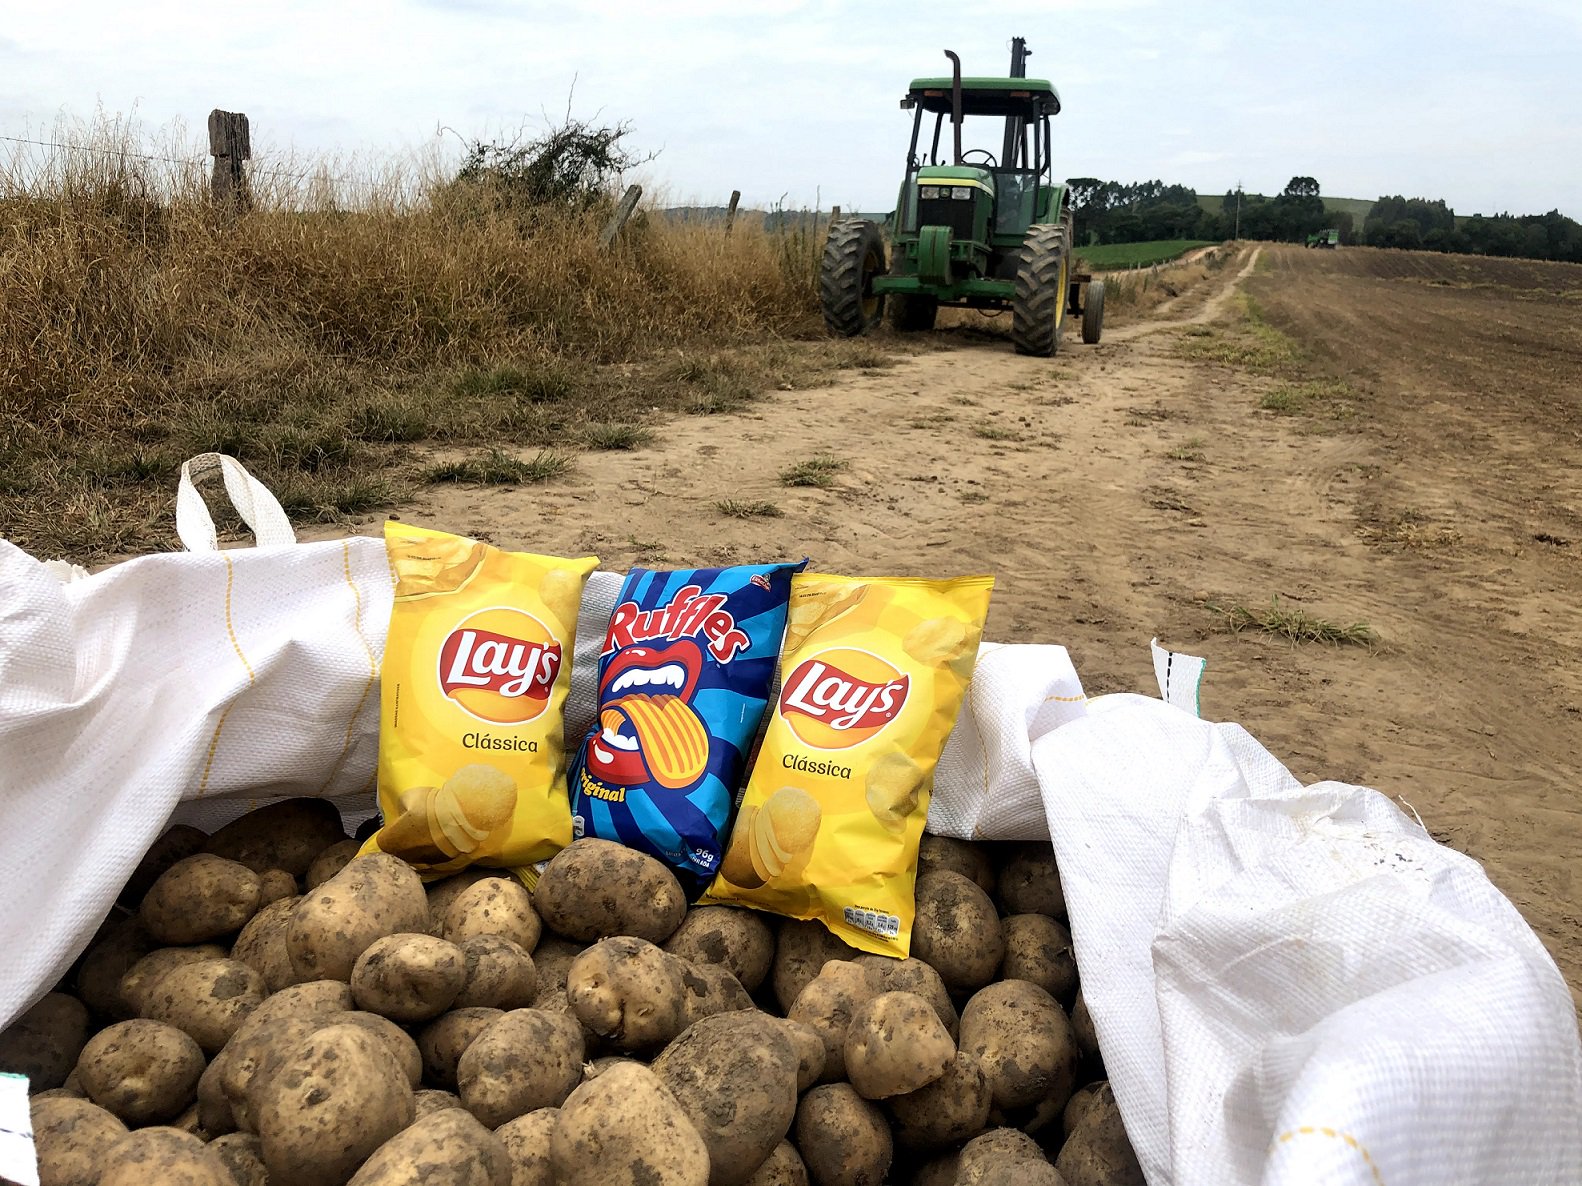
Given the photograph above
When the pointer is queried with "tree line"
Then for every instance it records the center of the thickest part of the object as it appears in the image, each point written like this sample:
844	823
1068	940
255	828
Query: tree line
1137	212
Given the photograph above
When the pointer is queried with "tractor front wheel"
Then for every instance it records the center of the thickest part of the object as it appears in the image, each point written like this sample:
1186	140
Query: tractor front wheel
853	257
912	313
1093	312
1038	308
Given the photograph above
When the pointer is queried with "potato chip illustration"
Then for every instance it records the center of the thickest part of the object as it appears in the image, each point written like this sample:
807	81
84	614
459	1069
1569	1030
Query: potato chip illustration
737	864
938	640
893	785
441	565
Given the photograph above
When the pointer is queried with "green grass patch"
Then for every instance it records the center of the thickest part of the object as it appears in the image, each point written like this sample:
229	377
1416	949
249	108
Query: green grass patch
1307	397
818	471
498	468
539	381
1113	256
736	508
1190	449
1295	624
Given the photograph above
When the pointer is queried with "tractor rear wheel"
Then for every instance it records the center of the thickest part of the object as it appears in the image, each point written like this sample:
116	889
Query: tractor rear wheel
1038	308
1093	312
912	313
853	256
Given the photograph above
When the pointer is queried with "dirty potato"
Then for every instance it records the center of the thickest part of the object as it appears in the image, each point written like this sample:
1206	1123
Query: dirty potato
497	1084
444	1040
1038	950
262	945
625	1128
593	889
740	940
70	1137
1026	1045
842	1137
451	1148
957	931
911	975
527	1145
286	834
208	999
499	974
827	1005
164	1155
895	1044
1097	1151
629	992
200	898
494	906
142	1071
951	1109
409	977
372	897
1029	882
45	1042
802	948
944	853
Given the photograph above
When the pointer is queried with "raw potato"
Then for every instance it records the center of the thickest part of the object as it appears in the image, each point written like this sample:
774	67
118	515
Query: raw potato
446	890
937	853
337	1096
808	1044
494	906
552	959
286	834
445	1148
1028	1049
951	1109
827	1005
200	898
311	998
330	862
178	842
144	1072
408	978
896	1044
782	1168
1029	882
45	1042
243	1155
628	992
499	974
372	897
114	950
274	885
1020	1173
593	889
71	1136
740	940
262	945
402	1046
167	1156
911	975
957	931
142	977
208	999
1038	949
997	1147
802	948
1097	1151
443	1041
843	1138
710	989
527	1145
625	1128
747	1060
497	1084
431	1100
1082	1024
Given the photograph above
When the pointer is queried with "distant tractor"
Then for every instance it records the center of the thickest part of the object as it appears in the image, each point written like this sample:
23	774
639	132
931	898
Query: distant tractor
970	229
1329	238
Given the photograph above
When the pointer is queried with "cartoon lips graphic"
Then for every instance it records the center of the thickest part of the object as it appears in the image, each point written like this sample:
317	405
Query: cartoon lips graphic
647	726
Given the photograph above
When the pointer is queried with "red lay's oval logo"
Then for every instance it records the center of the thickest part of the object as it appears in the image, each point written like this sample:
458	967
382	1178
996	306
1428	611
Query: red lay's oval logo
842	697
499	665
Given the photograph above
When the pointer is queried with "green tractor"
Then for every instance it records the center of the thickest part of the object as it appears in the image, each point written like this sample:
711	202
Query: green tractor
1329	238
970	228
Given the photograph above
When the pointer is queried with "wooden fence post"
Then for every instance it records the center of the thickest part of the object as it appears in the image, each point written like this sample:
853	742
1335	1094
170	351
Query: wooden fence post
623	211
730	211
230	143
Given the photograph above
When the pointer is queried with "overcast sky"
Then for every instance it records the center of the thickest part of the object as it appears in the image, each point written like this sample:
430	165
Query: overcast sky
1476	102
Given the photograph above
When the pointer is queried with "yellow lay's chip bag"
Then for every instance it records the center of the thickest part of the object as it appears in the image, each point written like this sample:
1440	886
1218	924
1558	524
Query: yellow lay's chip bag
472	756
872	677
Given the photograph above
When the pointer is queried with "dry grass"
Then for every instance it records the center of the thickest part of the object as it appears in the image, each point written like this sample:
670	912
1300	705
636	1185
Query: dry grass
334	332
1294	623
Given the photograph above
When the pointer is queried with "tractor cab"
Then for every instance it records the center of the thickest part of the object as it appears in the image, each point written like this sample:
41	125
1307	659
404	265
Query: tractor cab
988	197
985	227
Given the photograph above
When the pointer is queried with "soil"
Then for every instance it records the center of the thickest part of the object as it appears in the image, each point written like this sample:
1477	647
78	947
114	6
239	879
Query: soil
1123	491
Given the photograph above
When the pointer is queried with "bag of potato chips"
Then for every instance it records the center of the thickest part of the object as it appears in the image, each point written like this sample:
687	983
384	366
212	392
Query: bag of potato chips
872	677
472	759
684	679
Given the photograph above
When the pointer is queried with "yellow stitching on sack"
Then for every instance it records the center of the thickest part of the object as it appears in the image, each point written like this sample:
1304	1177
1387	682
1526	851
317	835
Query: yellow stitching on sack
214	742
1065	699
373	668
1308	1130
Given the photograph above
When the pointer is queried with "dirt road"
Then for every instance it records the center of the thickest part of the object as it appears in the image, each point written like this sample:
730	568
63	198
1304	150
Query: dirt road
1419	479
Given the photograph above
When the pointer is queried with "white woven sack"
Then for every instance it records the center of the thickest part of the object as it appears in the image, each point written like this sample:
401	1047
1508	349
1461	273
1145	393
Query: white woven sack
192	675
985	787
1298	985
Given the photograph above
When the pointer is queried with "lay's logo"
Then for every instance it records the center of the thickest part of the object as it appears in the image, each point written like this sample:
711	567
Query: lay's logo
500	665
842	697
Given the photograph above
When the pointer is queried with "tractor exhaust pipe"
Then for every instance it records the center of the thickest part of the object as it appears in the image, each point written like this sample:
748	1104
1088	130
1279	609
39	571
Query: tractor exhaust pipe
955	99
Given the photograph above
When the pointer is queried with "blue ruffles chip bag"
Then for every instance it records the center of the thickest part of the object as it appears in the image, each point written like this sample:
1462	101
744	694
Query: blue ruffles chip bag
684	679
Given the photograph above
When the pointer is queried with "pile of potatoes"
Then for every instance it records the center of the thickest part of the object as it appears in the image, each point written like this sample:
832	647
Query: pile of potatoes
265	1007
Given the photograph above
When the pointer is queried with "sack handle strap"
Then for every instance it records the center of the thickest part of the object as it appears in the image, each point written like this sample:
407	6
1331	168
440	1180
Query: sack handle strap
259	509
